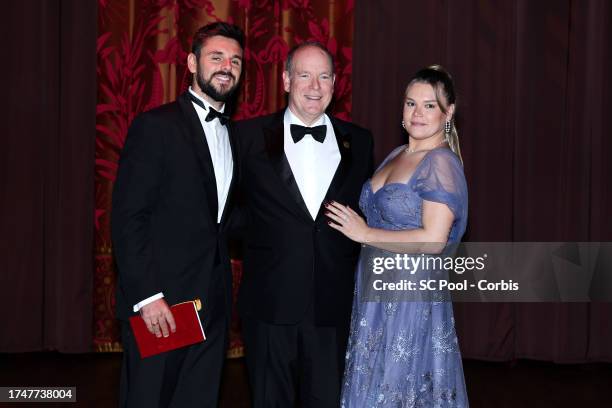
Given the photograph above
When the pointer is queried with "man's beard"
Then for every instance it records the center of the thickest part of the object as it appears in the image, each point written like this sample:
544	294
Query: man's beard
208	88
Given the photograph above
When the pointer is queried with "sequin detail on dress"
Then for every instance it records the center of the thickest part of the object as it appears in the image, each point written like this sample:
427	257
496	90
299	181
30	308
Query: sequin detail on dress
405	354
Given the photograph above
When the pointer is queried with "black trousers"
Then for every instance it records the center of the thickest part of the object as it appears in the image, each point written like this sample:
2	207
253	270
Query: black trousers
291	363
182	378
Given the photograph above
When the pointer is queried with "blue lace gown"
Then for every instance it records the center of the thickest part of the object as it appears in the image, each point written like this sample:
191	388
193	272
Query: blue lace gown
405	354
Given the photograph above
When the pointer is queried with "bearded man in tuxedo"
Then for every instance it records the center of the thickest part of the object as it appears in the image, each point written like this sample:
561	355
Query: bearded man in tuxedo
298	280
171	203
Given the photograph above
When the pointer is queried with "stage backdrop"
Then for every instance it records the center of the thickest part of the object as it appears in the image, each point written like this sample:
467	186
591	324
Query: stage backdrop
533	84
142	48
47	112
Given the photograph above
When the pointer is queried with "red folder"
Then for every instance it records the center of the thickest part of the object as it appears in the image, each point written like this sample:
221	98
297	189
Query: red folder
189	330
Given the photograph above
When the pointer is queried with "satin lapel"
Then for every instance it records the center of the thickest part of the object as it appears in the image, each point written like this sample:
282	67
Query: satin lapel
230	195
198	139
344	141
274	137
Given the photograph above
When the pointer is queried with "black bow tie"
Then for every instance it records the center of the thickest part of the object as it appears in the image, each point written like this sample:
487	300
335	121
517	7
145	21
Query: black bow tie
318	132
212	114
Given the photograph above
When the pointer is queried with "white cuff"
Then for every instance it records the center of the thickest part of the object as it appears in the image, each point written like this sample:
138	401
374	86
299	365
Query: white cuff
148	300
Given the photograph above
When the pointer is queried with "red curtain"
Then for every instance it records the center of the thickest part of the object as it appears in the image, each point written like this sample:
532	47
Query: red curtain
142	48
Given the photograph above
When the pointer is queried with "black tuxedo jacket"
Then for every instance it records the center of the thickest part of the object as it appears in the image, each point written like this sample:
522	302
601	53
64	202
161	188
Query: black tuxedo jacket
164	215
291	260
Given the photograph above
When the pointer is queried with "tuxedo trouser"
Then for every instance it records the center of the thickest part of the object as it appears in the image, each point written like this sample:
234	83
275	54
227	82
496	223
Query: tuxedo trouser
181	378
289	362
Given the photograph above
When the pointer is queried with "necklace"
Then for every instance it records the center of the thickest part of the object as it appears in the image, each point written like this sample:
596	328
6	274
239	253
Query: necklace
410	151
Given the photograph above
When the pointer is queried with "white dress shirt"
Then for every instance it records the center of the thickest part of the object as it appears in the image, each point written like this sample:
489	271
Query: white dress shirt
313	164
220	150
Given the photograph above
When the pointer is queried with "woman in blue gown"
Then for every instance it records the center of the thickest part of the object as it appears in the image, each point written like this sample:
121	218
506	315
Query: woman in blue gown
405	353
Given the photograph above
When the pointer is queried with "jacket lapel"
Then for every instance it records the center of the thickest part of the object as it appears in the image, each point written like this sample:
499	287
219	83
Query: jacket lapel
230	195
198	138
274	138
343	138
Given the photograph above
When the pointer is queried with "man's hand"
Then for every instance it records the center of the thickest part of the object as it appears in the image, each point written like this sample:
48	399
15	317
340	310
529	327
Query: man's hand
158	318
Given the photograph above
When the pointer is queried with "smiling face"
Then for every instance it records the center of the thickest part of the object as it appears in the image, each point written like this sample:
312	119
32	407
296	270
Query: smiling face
423	115
310	83
218	70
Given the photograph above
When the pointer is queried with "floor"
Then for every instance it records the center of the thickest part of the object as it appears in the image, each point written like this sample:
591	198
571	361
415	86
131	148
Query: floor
498	385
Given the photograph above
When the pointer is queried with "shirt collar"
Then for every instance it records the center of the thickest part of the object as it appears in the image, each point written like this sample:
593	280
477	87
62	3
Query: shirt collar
206	103
292	119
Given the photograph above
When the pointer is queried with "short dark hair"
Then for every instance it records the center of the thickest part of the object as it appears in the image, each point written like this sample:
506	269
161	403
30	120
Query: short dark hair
296	48
213	29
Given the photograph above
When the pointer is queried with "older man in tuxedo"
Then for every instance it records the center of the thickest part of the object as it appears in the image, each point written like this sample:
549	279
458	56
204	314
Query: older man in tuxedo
298	280
170	206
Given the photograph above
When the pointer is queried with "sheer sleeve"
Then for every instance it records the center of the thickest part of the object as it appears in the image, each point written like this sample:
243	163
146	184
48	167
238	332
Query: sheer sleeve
440	179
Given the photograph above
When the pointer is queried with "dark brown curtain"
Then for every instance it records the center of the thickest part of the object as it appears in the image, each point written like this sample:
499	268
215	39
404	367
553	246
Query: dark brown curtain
46	175
533	80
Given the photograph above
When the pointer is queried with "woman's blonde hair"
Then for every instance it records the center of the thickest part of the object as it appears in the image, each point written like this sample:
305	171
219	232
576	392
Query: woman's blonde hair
442	83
